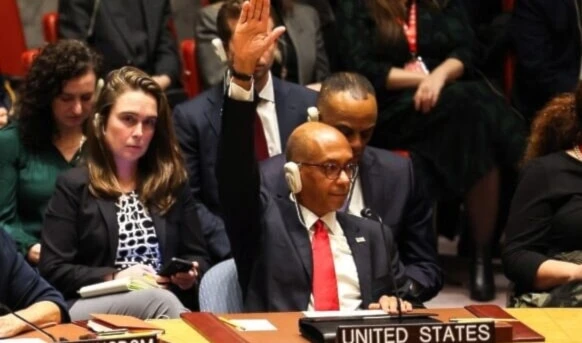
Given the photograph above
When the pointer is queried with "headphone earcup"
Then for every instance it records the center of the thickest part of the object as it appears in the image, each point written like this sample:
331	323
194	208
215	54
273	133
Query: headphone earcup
312	114
292	177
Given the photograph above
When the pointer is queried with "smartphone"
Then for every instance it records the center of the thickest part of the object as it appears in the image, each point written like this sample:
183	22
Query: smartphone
176	265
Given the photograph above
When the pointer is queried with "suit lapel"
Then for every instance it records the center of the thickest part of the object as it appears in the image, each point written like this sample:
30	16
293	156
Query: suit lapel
359	243
300	239
115	12
371	187
160	227
107	208
214	112
284	107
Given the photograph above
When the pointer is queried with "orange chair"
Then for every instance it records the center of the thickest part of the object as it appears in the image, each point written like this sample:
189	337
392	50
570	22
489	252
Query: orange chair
190	77
28	57
12	38
50	27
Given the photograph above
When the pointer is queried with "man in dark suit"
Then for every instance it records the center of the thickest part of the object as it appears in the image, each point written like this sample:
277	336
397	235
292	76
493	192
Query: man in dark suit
125	32
296	254
282	107
385	182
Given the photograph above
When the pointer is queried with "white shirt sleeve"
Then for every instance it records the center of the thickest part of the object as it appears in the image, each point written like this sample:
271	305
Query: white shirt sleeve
236	92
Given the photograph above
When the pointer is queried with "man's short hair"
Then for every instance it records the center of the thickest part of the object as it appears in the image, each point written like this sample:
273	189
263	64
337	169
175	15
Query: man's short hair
355	84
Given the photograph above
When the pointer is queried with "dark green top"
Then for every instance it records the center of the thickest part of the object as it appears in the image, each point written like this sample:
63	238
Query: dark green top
27	181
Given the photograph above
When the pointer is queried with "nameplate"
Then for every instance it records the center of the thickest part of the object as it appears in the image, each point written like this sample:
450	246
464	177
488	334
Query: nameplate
134	338
417	333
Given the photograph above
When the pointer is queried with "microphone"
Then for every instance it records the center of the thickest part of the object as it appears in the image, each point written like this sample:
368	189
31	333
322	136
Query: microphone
369	214
35	327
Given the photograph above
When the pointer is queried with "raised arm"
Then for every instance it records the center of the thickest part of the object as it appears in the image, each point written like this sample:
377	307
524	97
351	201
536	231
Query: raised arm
237	169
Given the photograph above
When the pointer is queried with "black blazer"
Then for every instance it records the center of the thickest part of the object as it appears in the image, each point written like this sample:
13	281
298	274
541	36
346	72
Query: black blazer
388	189
80	235
197	124
271	248
112	37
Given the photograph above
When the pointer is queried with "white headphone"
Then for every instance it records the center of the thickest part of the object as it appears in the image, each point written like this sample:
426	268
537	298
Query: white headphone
293	177
312	114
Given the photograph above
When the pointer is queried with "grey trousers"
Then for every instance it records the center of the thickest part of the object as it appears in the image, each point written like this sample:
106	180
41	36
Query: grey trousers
144	304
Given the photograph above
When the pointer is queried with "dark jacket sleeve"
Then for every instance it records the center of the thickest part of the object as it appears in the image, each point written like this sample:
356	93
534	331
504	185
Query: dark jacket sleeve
166	51
418	244
60	240
239	185
74	18
212	225
528	227
20	285
192	245
10	160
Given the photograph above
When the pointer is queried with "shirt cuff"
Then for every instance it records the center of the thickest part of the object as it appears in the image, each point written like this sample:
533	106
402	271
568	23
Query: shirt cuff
236	92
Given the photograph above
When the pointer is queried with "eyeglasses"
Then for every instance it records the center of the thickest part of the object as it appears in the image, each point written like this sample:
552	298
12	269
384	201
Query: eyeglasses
333	170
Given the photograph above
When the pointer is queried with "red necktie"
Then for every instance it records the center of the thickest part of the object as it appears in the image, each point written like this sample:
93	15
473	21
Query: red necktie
325	296
261	150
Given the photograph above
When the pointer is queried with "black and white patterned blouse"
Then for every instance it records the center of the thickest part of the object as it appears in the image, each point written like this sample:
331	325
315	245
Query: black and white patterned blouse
138	243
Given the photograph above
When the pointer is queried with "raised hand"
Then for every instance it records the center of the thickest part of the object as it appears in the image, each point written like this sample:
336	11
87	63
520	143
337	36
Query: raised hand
251	37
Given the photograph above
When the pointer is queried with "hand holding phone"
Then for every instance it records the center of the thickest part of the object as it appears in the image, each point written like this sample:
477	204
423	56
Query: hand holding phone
176	265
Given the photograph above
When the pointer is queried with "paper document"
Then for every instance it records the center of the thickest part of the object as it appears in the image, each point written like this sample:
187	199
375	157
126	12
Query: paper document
254	324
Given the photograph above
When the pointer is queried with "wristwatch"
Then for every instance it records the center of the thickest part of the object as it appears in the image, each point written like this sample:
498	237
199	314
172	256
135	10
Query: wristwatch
241	76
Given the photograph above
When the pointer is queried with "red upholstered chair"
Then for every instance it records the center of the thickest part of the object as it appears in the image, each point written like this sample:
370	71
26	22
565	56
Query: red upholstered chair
50	27
12	38
190	77
28	57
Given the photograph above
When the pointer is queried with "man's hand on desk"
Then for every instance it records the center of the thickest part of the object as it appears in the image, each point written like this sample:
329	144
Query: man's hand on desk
10	326
390	305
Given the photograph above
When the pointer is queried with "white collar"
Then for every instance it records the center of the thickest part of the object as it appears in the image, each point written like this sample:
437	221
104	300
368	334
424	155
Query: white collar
329	219
268	92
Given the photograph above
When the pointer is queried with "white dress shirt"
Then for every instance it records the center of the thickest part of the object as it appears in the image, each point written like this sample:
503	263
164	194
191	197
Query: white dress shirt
357	198
348	284
265	109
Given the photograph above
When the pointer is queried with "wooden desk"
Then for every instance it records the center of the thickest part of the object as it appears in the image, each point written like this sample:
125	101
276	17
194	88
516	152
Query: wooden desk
557	325
288	327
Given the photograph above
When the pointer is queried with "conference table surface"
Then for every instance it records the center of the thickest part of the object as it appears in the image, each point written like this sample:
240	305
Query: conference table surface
556	325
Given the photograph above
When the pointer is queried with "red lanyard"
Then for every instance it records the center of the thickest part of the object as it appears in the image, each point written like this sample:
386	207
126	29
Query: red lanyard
410	30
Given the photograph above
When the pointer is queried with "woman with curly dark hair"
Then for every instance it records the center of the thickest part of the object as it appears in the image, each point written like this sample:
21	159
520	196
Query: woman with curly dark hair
543	249
46	138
